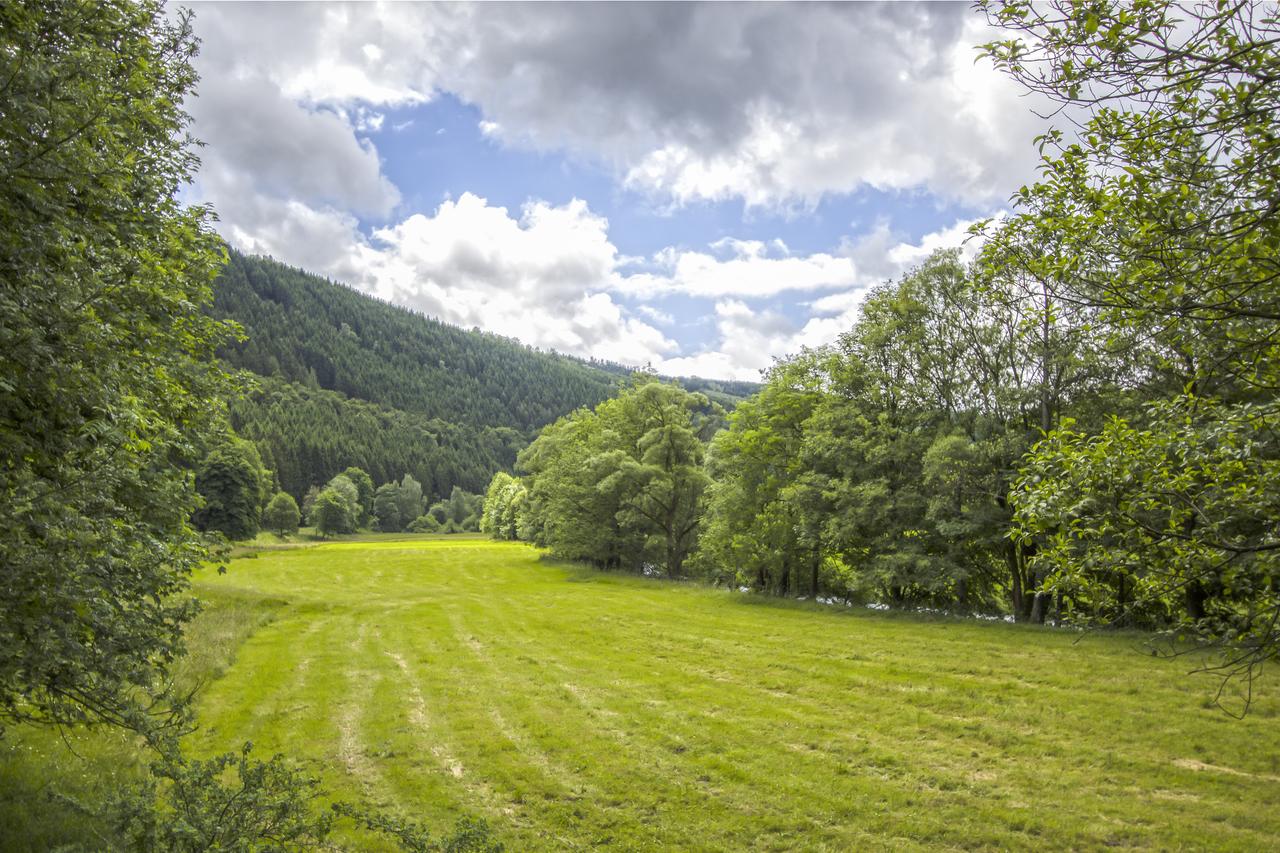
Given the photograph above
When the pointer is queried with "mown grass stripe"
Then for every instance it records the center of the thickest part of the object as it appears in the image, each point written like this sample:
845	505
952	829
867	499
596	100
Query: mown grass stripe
596	710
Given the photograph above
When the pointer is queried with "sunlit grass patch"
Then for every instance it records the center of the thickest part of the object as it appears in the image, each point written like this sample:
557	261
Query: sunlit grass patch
446	675
437	676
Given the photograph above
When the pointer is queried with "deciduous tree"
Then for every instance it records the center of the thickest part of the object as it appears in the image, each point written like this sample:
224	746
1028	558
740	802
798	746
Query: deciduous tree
282	515
1157	208
108	387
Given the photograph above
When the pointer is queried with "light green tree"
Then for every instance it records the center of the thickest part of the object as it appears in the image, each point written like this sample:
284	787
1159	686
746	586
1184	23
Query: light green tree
569	514
623	485
332	513
364	493
756	531
505	503
386	508
342	486
282	515
1157	210
410	499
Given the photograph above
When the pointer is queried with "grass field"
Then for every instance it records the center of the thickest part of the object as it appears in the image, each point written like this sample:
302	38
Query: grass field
577	710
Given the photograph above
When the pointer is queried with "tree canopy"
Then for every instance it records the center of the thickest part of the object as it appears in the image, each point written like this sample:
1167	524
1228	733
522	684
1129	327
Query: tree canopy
1157	211
108	387
623	485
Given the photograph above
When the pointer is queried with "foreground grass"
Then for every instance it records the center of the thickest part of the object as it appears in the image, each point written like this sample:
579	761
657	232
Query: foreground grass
442	676
45	773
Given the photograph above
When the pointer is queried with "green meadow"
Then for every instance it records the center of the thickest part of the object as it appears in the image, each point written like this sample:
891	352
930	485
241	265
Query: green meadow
573	709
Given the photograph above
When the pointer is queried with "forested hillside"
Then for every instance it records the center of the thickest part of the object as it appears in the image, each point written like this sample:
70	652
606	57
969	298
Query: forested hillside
351	380
305	329
308	434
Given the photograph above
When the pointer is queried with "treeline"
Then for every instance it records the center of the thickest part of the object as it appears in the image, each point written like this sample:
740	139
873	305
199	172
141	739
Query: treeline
1082	424
239	498
349	502
902	465
878	469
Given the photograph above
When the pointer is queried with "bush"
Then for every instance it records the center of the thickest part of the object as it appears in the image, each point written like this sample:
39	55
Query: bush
234	802
425	524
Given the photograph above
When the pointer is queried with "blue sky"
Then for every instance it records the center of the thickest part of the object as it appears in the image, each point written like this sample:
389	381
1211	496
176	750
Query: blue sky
703	188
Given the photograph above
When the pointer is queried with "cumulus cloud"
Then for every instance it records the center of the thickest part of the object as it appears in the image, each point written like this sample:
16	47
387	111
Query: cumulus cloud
771	105
334	54
749	271
288	151
748	339
768	103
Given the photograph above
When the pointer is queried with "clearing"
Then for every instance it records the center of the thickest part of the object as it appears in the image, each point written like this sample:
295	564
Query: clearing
441	676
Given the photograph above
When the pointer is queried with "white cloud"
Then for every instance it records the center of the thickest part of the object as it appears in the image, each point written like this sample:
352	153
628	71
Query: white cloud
541	277
329	54
750	339
771	104
657	315
749	272
282	149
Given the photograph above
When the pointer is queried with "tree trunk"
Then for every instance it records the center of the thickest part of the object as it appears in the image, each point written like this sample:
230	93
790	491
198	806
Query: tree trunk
1038	608
1196	597
813	585
1017	590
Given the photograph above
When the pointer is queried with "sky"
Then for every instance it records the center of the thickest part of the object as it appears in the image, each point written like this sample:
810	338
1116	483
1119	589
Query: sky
700	188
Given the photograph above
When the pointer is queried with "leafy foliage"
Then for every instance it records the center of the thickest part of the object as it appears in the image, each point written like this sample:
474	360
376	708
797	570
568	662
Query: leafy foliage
387	516
1169	525
503	514
754	533
237	803
186	806
623	485
282	515
364	492
107	380
879	468
1158	212
332	513
234	486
